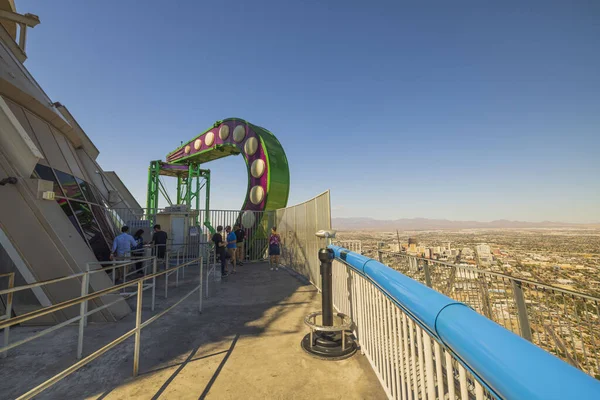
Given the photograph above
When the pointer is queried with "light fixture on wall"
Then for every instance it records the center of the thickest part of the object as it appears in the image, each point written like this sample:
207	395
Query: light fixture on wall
48	195
11	179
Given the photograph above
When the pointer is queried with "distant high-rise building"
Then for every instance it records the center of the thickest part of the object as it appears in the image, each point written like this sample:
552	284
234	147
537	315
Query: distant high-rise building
482	250
483	253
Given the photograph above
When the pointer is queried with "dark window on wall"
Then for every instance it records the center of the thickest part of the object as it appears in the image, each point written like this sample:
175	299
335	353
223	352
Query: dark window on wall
91	229
46	173
64	204
87	190
105	225
83	204
69	185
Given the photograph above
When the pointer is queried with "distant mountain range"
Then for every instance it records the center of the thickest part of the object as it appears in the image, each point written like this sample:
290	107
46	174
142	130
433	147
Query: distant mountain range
409	224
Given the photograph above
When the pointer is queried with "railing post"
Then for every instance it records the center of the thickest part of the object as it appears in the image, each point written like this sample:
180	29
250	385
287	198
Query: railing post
82	311
154	270
167	264
379	253
521	309
427	273
138	329
87	291
9	301
208	268
201	282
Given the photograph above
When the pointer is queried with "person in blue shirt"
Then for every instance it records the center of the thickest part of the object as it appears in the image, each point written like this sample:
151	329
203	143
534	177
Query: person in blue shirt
123	243
231	246
122	246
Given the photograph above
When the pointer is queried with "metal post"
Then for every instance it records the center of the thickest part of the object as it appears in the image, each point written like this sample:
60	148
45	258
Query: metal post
427	274
379	253
138	329
167	265
84	290
166	284
154	268
201	282
9	301
87	291
326	257
209	266
521	310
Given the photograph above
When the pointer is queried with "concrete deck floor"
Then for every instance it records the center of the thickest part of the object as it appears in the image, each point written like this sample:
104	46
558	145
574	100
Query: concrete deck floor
245	344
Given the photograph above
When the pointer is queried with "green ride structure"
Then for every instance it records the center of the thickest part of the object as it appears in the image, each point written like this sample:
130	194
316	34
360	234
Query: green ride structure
266	163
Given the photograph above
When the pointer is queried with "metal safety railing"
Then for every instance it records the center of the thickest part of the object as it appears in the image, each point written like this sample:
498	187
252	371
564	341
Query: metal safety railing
84	313
83	300
8	306
425	345
297	226
560	321
352	245
256	224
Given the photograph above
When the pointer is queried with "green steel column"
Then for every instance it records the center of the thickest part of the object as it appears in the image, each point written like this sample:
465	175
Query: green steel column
152	196
179	186
206	174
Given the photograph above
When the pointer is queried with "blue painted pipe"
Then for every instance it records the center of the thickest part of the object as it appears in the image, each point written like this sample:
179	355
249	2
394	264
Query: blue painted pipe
511	366
422	302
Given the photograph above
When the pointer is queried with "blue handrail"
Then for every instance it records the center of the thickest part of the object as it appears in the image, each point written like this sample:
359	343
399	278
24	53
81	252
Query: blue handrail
508	364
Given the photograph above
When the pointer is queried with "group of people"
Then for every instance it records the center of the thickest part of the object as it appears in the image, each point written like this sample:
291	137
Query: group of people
232	248
229	248
125	246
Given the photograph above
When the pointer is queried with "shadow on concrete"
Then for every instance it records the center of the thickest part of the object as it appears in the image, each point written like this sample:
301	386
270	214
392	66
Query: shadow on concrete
219	369
246	304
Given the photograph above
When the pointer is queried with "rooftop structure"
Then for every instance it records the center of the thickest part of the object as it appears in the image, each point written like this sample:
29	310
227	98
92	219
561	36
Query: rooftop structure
166	323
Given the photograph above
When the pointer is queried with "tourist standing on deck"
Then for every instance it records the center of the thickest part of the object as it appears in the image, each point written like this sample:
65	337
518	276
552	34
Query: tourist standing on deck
159	243
121	249
220	251
274	249
231	246
240	235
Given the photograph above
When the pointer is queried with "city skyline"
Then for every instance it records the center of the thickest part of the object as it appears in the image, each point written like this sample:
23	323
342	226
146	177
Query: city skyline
420	223
439	112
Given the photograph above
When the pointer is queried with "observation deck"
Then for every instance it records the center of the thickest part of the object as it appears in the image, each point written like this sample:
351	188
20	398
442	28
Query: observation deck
244	344
191	335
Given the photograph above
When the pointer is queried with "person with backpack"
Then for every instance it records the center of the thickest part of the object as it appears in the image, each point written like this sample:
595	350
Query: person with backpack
220	251
274	249
231	246
240	235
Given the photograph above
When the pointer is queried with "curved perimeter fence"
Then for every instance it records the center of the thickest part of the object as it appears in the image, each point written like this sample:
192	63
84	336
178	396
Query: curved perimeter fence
425	345
562	322
297	226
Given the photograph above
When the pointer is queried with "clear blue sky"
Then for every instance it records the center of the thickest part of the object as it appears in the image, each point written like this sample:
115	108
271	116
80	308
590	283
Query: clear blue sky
459	110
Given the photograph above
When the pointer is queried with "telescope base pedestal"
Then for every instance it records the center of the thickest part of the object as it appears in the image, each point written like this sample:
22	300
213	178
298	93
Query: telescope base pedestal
329	346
